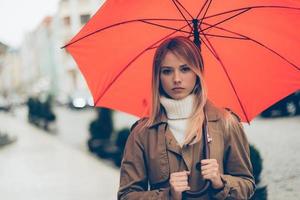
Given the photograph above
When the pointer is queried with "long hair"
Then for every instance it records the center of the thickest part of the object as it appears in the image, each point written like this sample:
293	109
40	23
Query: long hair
186	49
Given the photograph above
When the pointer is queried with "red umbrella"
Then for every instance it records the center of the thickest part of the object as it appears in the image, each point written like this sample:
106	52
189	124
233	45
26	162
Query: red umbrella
249	49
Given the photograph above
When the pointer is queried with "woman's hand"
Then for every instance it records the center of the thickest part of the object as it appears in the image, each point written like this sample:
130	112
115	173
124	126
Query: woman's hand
179	183
210	171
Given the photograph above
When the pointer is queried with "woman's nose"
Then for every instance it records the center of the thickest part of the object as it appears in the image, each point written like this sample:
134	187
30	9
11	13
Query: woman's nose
177	77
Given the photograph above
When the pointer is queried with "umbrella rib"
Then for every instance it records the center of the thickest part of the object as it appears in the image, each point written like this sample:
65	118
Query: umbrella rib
134	59
209	48
191	35
163	26
184	9
261	44
182	13
211	26
243	10
224	36
249	8
157	19
210	1
118	24
228	77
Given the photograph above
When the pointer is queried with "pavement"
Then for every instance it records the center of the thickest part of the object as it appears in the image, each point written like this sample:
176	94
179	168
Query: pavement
58	166
42	166
278	141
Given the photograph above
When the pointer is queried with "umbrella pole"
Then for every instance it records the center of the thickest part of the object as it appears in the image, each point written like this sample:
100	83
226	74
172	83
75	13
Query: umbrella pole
196	33
206	155
197	40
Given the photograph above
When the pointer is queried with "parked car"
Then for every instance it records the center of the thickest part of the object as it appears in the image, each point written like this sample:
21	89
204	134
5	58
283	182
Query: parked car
79	100
289	106
6	139
5	104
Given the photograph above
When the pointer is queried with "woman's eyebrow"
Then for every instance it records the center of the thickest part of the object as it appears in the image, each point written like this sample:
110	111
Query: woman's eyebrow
164	66
184	65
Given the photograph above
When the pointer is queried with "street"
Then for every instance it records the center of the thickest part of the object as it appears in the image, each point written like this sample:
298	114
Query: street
58	166
45	167
278	141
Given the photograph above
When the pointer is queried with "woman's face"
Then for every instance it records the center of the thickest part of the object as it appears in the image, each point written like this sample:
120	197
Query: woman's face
176	77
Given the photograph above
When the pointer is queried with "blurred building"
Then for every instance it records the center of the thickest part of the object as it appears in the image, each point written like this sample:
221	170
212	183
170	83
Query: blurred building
39	71
3	53
9	70
48	67
72	15
3	49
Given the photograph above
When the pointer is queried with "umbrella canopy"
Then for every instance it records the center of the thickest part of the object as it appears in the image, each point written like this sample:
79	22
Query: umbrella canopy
250	50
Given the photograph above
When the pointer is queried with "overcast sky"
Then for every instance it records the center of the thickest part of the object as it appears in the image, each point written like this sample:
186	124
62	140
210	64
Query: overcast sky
20	16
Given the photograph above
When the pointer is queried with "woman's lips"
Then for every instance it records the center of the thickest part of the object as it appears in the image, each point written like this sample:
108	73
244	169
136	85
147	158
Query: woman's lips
178	89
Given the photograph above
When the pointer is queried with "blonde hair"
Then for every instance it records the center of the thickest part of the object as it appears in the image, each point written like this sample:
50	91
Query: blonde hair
186	49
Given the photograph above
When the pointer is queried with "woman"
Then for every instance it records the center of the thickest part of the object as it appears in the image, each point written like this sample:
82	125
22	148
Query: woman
163	156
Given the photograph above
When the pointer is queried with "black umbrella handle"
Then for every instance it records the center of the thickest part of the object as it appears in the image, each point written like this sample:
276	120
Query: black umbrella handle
196	194
206	155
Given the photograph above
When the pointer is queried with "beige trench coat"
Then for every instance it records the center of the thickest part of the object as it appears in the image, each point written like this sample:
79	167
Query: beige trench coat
152	154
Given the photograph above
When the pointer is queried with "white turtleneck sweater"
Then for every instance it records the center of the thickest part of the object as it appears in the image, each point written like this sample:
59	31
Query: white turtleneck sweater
178	112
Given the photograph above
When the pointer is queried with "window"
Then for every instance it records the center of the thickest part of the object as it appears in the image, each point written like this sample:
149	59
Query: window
67	21
84	18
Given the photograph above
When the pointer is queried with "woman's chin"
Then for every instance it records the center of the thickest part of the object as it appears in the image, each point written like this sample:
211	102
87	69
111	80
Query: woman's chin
179	96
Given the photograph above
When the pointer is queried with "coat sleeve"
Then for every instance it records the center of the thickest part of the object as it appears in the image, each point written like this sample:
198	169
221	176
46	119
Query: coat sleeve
133	174
238	173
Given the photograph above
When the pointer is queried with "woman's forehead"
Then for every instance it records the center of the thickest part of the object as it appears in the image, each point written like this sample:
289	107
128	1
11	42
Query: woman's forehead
172	59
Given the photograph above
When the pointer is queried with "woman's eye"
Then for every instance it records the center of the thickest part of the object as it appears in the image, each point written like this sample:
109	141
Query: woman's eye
185	69
166	71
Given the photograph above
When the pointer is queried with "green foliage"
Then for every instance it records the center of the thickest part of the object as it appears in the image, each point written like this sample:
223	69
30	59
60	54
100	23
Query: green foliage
39	111
257	164
256	161
102	127
122	138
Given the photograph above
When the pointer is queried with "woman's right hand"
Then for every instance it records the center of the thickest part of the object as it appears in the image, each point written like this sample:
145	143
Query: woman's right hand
179	183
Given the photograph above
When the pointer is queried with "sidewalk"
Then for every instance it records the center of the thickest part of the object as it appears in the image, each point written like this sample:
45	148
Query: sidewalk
39	166
42	166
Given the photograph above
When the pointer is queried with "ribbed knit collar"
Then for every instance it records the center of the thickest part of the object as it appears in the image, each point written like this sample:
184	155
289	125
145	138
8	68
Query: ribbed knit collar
178	109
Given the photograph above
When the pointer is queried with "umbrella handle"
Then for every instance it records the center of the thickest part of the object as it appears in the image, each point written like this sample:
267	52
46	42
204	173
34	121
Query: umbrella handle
206	155
196	194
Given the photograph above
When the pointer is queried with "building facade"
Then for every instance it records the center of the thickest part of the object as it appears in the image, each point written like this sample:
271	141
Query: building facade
48	67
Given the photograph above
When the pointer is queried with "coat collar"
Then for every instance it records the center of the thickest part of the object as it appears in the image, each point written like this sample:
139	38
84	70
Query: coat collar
212	112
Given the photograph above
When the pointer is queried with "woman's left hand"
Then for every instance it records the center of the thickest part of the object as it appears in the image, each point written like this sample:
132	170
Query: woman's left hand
210	171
